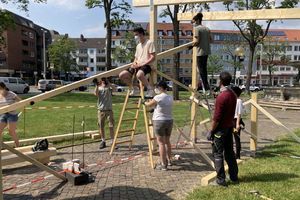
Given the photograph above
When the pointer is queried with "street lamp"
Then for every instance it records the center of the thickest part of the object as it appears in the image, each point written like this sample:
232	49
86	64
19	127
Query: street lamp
44	52
260	62
51	68
239	53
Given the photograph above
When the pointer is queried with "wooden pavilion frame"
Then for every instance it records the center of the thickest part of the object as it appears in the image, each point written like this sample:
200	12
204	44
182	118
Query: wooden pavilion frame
291	13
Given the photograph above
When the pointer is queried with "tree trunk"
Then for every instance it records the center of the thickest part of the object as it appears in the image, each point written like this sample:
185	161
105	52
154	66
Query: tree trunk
249	72
270	76
108	39
234	69
176	56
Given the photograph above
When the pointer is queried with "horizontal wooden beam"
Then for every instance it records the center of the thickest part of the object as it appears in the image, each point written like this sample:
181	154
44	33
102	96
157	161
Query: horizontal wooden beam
263	14
146	3
77	84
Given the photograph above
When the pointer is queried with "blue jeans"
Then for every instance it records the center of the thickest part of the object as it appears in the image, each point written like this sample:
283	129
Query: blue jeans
8	118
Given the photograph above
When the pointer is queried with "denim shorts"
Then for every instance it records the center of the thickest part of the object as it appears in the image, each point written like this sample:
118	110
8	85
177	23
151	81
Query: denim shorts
8	117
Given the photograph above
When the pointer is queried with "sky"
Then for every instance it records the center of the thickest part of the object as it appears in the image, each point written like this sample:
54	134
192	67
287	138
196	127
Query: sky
72	17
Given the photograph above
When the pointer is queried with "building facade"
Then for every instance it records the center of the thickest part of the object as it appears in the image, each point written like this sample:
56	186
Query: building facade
21	55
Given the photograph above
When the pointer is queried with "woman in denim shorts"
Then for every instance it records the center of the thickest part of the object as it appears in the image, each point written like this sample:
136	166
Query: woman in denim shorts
8	119
162	122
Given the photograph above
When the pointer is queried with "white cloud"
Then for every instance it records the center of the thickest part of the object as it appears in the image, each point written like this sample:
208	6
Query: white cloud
68	4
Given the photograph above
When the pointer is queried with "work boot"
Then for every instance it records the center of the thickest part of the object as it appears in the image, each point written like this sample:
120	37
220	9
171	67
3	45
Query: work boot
102	145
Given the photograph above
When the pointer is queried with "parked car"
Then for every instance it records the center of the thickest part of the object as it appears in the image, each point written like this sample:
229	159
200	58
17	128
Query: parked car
170	85
16	85
243	87
49	84
255	88
81	88
285	85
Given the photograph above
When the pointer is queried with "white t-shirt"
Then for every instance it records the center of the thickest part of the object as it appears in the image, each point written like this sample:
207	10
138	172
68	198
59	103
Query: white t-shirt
10	98
239	109
143	51
163	109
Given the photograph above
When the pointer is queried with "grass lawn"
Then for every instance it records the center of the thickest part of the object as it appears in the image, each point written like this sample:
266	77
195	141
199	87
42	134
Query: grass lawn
37	123
273	173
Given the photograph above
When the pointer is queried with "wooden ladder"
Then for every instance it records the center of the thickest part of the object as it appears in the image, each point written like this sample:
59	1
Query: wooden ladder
134	109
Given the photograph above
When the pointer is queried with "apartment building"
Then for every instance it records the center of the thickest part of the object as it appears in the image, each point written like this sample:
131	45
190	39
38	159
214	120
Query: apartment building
21	55
90	55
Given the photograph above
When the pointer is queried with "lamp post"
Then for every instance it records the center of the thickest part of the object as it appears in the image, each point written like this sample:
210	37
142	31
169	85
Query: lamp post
52	68
44	52
239	53
260	63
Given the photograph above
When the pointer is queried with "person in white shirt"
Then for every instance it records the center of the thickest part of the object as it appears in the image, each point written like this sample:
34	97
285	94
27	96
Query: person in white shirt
142	64
239	109
9	119
162	122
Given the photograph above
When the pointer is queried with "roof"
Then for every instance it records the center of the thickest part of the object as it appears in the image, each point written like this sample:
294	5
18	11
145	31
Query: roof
89	43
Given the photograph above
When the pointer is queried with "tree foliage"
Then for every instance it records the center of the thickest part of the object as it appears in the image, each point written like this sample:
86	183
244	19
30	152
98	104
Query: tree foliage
60	54
116	14
214	65
125	52
273	54
251	30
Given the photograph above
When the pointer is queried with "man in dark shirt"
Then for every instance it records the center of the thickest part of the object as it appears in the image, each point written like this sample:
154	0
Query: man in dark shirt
222	128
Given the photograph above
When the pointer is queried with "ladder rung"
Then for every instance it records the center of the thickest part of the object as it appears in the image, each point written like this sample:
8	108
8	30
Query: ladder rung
154	138
134	97
126	131
129	119
125	141
132	108
150	124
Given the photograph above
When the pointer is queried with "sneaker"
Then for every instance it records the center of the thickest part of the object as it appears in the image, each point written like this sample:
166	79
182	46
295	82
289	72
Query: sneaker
161	167
102	145
170	163
150	93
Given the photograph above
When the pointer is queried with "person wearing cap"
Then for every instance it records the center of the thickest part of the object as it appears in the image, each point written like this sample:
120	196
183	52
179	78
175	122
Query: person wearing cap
238	121
202	40
162	122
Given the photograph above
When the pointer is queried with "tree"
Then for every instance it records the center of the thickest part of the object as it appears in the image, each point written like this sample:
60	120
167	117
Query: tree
214	65
168	12
60	54
273	54
250	29
124	53
6	20
116	14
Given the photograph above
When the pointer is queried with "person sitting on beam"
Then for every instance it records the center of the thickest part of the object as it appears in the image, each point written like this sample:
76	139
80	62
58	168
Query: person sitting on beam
142	65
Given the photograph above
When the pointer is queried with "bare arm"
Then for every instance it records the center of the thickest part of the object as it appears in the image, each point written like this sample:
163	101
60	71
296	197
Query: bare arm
238	121
151	103
152	58
95	91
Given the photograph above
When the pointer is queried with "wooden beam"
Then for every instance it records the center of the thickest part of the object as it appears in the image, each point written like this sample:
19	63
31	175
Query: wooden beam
263	14
276	121
253	141
35	162
145	3
86	81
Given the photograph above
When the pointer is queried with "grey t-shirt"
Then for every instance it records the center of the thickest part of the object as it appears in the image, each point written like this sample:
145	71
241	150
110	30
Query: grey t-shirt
10	98
203	33
163	109
104	98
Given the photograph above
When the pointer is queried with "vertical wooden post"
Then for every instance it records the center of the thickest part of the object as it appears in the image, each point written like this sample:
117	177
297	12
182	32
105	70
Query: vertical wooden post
253	141
1	188
153	38
194	86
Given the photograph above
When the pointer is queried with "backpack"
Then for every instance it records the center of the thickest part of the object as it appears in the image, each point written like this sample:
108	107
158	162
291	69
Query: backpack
40	145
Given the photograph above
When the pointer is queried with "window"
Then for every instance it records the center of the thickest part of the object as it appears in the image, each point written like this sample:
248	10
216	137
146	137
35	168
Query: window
189	33
100	59
24	33
12	80
25	43
160	32
32	54
289	48
92	60
114	33
25	53
180	70
21	81
216	37
289	57
31	35
295	57
113	43
287	69
282	69
101	69
296	48
91	51
101	51
83	51
170	33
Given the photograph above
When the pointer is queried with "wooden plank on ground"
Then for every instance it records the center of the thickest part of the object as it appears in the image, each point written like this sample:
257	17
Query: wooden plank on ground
35	162
263	14
39	155
146	3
